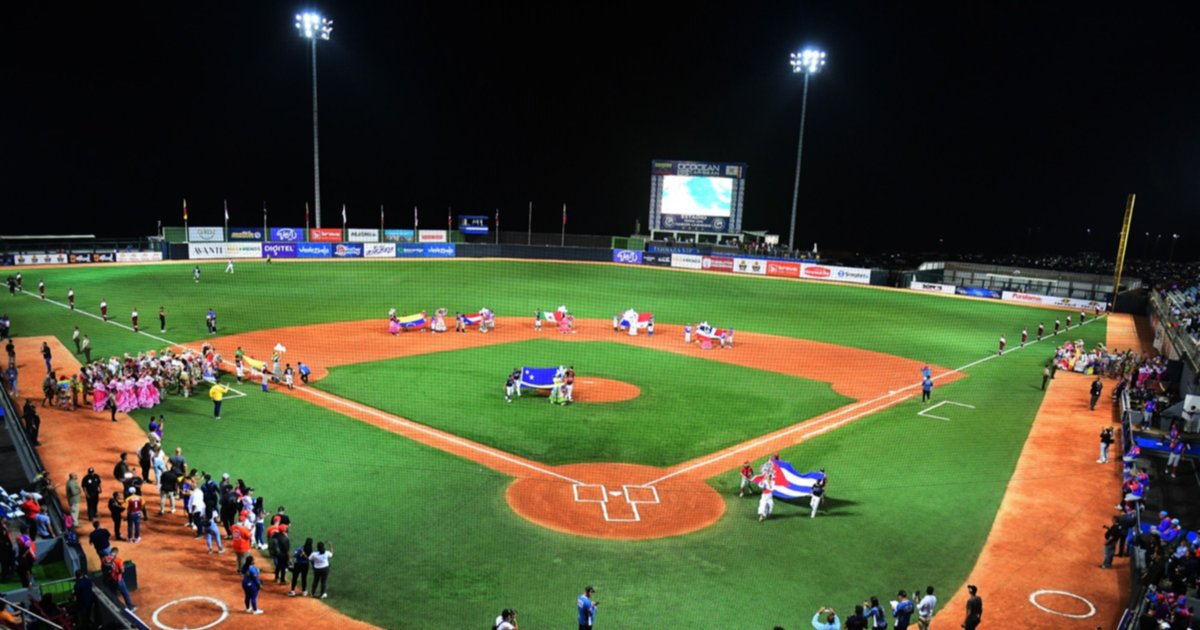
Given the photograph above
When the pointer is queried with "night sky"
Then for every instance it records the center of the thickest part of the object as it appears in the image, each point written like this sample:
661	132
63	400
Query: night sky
996	127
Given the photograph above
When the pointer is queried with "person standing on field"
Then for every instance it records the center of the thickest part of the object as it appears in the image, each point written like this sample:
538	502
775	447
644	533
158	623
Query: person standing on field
586	609
926	389
974	608
104	309
75	337
1097	387
320	565
162	319
746	475
1041	330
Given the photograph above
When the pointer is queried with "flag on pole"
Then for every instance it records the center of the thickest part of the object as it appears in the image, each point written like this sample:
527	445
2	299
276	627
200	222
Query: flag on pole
185	210
449	222
414	220
264	211
227	211
305	220
380	215
343	215
564	214
497	219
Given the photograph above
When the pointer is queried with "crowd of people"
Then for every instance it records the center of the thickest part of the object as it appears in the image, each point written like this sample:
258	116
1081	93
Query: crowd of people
1183	304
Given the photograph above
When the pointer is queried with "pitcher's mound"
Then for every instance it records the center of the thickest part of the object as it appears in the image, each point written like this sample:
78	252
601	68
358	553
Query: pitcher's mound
616	501
593	389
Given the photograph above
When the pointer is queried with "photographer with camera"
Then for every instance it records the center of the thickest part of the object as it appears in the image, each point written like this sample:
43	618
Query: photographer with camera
826	619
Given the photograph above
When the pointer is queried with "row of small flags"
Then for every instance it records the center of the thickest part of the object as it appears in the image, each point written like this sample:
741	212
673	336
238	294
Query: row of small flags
416	221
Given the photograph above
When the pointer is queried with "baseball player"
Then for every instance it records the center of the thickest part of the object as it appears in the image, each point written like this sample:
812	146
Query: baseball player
1041	330
569	380
766	503
650	328
18	281
1002	342
104	309
537	321
42	289
746	474
724	340
287	376
1177	448
133	316
616	323
1057	325
229	266
71	298
1082	316
196	273
239	370
687	334
818	494
1024	336
162	319
510	386
1068	322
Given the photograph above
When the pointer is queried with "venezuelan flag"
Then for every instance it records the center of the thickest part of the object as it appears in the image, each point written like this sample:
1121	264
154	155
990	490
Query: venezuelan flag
412	321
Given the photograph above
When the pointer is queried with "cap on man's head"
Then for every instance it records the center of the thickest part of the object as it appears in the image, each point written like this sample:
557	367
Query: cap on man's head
225	476
91	470
589	589
902	594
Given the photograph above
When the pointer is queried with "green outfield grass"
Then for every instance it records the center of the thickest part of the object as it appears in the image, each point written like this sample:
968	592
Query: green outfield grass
688	407
426	540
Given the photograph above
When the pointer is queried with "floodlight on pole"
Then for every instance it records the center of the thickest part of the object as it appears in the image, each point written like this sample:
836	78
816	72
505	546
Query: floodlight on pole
313	27
807	62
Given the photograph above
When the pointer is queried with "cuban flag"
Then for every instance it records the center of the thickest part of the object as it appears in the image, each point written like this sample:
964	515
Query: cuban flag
710	332
472	319
790	484
636	319
412	321
538	378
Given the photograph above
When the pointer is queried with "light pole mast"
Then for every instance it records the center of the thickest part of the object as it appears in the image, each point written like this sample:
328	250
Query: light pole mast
807	62
313	27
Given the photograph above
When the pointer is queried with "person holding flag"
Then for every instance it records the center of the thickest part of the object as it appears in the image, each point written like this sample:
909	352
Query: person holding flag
766	503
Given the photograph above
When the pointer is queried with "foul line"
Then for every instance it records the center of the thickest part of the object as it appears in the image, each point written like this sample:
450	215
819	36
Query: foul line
925	412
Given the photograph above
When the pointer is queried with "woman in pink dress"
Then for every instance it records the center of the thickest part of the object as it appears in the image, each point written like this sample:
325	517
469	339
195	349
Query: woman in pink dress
126	398
152	394
99	395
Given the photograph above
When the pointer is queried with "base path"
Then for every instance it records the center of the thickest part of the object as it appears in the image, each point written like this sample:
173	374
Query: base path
1047	535
171	564
605	500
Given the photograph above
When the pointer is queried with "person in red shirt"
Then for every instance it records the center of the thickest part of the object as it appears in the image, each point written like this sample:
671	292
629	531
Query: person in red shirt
240	541
747	474
113	569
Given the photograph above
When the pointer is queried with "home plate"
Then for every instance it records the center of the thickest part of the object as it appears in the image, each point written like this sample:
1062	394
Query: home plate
615	493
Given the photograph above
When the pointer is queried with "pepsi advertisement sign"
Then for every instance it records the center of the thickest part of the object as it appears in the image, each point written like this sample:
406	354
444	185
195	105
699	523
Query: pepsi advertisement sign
287	234
279	250
348	250
627	256
314	250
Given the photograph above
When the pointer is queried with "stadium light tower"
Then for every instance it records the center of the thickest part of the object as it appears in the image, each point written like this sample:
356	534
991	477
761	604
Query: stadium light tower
313	27
807	62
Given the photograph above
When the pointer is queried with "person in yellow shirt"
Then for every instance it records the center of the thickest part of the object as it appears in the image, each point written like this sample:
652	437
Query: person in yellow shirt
216	393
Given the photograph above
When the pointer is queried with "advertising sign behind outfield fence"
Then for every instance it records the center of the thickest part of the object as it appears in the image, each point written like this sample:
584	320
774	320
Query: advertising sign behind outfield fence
245	234
977	292
314	250
279	250
687	261
243	250
932	287
360	235
716	263
202	251
753	266
658	260
139	256
431	236
398	236
835	273
79	258
348	250
40	259
627	256
426	250
783	269
206	234
287	234
325	235
1049	300
379	250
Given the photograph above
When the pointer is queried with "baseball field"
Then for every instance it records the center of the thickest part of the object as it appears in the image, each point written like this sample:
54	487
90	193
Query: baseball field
446	504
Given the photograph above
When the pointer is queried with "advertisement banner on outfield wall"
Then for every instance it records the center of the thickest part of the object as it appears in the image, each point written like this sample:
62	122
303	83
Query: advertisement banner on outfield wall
835	273
783	269
977	292
1049	300
657	260
202	251
754	266
627	256
325	235
206	234
348	250
379	250
672	249
243	250
932	287
687	261
361	235
716	263
279	250
139	256
79	258
245	234
287	234
427	250
398	236
104	257
431	236
314	250
39	259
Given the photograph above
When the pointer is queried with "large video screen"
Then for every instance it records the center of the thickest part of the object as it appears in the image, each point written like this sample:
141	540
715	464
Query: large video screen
697	196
